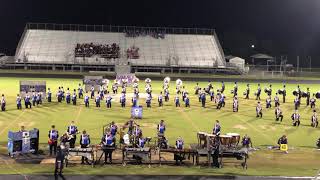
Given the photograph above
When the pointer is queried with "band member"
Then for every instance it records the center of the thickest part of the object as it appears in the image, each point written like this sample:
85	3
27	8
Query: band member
59	95
177	101
259	110
27	102
84	143
92	92
268	102
284	94
49	95
62	93
38	98
86	100
276	100
80	91
18	101
113	128
108	141
134	100
63	140
161	127
314	119
137	131
183	93
313	101
101	91
179	145
3	103
296	103
235	89
283	140
72	133
166	95
160	100
221	102
203	99
211	93
278	113
308	96
68	96
200	94
115	88
197	88
187	101
235	105
299	92
222	87
53	140
74	97
258	93
148	100
247	91
217	128
130	125
97	100
123	100
108	100
34	99
269	93
141	142
295	118
246	141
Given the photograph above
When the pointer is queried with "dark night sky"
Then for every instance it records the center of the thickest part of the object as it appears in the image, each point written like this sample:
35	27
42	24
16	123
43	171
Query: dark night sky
278	27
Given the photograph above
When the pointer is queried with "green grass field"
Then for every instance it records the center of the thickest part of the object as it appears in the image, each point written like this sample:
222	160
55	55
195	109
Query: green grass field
303	159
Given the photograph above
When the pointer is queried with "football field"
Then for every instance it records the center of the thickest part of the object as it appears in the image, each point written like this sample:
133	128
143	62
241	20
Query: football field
302	159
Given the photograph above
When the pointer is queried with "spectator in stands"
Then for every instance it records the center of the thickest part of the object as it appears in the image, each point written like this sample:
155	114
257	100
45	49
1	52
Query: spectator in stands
90	49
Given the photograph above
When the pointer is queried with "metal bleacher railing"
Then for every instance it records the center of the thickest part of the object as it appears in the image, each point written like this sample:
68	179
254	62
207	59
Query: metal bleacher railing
156	52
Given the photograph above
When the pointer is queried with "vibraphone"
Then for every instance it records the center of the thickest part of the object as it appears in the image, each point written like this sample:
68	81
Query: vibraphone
82	152
179	153
103	150
136	154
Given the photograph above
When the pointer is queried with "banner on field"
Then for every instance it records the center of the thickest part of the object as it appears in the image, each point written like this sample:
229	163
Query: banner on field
30	87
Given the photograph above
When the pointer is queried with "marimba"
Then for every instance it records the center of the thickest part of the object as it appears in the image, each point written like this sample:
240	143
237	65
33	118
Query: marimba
241	154
181	153
82	152
136	154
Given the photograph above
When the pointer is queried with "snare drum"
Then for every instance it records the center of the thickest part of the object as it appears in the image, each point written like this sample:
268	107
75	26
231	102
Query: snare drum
225	140
235	138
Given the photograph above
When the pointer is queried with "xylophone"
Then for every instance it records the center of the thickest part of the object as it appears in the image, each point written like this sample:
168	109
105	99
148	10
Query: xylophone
179	154
82	152
241	154
136	154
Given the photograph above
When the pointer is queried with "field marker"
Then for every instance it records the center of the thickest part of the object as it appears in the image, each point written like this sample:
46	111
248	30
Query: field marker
14	121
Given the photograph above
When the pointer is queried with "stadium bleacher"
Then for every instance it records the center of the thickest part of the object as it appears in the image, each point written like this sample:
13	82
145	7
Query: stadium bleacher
58	47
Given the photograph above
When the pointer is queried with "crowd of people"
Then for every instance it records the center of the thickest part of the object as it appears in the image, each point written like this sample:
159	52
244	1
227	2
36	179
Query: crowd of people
143	33
104	50
133	52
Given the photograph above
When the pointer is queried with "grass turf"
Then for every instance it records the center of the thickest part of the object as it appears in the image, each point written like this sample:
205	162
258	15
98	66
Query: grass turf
302	159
